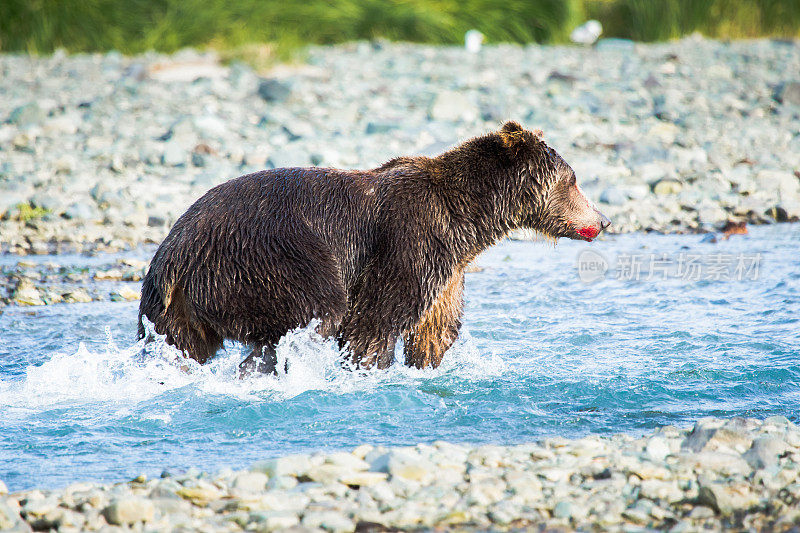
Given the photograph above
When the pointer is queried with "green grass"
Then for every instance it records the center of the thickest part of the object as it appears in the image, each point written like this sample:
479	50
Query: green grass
28	212
658	20
134	26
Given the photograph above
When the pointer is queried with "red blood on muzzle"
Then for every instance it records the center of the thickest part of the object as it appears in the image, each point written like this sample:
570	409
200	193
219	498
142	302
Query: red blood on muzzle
590	232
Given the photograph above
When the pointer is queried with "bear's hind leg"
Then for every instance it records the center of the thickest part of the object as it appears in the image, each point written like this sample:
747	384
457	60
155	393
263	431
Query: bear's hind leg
196	341
437	330
262	360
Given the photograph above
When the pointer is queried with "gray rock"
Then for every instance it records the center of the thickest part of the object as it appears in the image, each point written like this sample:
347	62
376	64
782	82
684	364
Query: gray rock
727	464
79	295
210	126
564	509
27	294
291	465
26	115
54	204
282	483
332	521
274	91
199	160
451	106
788	93
504	512
81	211
656	489
613	196
174	154
614	44
274	520
657	448
727	499
775	420
288	158
250	481
374	127
711	437
765	451
156	221
10	199
667	186
701	512
129	510
10	519
493	113
712	215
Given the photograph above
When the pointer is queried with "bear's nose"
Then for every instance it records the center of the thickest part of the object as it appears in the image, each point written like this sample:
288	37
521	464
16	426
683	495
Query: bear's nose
604	222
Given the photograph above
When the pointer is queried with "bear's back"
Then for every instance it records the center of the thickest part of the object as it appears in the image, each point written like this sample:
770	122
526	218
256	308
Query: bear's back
311	208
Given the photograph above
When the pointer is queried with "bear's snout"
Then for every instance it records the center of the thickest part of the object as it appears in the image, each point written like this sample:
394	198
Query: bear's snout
604	221
592	231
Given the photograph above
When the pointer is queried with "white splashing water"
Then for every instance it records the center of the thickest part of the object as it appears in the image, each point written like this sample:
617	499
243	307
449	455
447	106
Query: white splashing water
138	373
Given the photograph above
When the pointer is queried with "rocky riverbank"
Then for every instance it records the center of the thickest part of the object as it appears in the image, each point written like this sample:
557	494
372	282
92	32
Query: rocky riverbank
737	473
103	152
63	281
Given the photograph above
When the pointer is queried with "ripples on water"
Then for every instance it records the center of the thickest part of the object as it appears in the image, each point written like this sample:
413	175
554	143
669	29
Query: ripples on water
541	354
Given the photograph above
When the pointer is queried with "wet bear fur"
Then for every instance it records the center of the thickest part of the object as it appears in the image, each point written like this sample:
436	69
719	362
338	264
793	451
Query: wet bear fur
373	255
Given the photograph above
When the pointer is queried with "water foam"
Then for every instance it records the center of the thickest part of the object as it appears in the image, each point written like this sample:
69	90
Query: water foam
131	375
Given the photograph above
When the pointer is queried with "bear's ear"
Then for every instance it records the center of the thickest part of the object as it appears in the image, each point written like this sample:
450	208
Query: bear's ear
511	127
512	134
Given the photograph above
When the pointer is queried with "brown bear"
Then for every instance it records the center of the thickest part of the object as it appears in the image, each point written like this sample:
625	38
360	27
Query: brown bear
371	254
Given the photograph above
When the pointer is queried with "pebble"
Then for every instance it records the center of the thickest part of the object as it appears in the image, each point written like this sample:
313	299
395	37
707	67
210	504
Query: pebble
274	520
613	196
125	293
452	106
765	451
667	187
250	481
657	449
788	93
272	90
127	511
728	498
27	294
595	483
332	521
174	154
656	158
291	465
77	296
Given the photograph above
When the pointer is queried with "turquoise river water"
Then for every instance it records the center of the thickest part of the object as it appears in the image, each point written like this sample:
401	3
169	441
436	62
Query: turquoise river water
650	330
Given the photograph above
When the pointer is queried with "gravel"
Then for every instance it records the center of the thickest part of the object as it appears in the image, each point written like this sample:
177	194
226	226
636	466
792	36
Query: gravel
104	152
29	283
721	474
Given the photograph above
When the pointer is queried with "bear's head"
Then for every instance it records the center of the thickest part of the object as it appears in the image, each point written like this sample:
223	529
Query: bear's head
547	197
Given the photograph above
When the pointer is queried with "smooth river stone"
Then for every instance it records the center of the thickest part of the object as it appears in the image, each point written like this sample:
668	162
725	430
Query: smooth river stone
127	511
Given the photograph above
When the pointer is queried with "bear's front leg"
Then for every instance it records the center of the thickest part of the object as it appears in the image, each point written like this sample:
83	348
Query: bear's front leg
437	330
367	350
392	295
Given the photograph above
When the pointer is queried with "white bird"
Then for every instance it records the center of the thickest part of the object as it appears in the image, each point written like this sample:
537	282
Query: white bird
473	40
587	33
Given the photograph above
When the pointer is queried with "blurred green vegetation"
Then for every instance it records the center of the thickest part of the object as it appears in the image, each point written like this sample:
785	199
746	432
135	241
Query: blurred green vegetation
134	26
28	212
658	20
